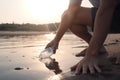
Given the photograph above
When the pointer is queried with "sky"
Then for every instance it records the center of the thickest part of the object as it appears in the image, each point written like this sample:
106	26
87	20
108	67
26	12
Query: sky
33	11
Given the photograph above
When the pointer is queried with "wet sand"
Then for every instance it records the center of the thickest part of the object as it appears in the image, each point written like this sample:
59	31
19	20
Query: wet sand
110	70
19	58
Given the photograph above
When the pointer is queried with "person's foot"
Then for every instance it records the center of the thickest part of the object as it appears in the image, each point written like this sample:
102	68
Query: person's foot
82	53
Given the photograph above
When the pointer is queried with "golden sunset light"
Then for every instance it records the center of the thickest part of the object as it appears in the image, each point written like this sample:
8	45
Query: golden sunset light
34	11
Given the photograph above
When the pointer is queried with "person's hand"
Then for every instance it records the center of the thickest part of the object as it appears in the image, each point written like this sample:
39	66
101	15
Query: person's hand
87	63
54	44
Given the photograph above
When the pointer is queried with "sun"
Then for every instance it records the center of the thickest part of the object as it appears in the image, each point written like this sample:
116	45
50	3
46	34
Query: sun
45	9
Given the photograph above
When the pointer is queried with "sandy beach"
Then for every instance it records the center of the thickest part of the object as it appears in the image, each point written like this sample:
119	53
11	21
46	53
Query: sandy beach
19	57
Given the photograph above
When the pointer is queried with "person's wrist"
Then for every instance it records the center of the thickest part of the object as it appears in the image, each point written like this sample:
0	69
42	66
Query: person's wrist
56	40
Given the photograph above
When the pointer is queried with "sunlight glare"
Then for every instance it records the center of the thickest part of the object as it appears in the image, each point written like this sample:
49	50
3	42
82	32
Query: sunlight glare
55	77
46	9
50	36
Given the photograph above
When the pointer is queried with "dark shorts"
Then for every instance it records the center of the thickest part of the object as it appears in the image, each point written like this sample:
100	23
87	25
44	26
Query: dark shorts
115	25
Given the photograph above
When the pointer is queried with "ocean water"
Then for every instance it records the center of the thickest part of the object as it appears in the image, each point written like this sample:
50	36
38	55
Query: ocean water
19	55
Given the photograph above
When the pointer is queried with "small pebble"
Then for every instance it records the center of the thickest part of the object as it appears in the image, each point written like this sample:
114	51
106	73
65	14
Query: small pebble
18	68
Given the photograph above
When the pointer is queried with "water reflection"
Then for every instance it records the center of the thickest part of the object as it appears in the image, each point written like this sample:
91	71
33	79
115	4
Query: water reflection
55	77
18	52
52	65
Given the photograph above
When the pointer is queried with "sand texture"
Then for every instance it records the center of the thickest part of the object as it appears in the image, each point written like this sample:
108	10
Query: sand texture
110	70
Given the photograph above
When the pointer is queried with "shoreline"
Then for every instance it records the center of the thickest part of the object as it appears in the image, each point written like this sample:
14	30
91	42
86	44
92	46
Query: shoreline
17	33
2	33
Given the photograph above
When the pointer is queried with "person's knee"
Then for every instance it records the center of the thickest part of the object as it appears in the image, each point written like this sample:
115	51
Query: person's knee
68	15
64	14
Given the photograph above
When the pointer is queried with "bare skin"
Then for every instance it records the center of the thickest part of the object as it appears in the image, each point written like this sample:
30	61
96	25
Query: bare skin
105	12
84	18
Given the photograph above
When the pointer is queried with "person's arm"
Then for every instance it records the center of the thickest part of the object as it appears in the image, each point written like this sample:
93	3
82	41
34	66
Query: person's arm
66	21
101	28
102	25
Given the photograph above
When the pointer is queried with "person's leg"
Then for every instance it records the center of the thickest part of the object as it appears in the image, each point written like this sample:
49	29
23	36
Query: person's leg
82	20
79	27
82	32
